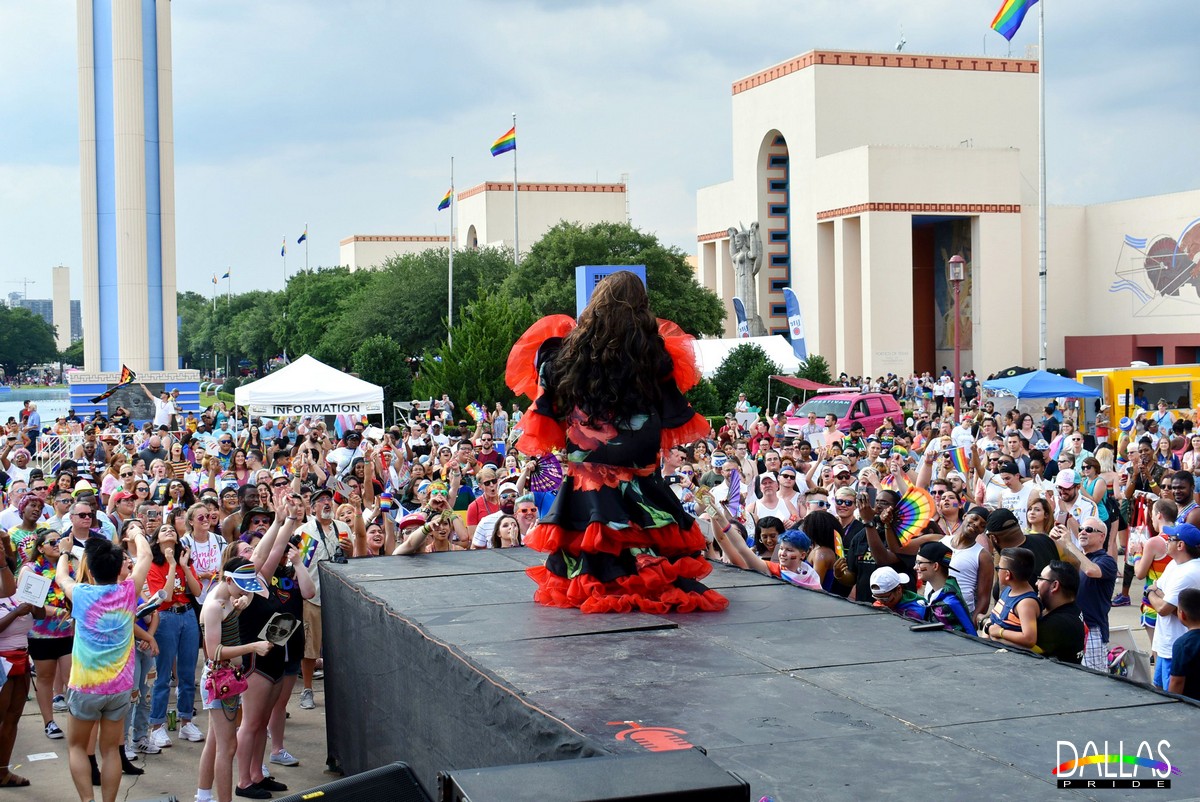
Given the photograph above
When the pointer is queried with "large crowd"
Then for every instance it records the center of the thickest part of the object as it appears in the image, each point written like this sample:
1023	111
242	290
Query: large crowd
182	555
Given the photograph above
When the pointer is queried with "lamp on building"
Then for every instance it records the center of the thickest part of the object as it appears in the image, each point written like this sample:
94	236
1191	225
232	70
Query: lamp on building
956	269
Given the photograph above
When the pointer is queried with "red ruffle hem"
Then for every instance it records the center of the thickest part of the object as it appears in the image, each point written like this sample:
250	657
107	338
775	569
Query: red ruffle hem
650	590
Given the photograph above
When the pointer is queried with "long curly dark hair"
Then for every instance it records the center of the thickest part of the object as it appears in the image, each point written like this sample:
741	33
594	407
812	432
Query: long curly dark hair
611	365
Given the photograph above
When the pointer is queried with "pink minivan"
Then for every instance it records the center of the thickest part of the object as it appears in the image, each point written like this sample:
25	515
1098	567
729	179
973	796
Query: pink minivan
869	409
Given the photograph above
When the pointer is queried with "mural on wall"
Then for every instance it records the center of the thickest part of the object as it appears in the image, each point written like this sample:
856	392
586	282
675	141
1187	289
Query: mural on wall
953	236
1155	269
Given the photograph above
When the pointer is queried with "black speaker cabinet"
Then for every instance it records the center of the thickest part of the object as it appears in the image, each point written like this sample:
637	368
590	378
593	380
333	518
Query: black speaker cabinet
392	783
686	774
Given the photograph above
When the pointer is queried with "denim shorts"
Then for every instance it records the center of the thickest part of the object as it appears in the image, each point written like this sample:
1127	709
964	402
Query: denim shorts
95	706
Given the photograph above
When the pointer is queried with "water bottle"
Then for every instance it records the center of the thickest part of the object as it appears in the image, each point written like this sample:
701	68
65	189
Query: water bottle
172	720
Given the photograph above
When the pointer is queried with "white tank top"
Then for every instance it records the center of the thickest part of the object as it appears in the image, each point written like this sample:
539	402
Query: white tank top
780	510
964	566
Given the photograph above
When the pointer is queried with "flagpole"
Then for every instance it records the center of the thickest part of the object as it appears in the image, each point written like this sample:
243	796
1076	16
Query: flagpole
1042	185
450	283
306	247
516	203
214	337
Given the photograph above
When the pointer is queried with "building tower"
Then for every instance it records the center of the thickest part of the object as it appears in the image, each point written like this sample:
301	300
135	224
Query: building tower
127	172
61	305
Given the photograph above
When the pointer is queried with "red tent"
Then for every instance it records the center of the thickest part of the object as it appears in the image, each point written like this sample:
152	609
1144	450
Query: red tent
801	384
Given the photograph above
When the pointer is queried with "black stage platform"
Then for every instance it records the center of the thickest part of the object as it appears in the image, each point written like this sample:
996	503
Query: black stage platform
444	662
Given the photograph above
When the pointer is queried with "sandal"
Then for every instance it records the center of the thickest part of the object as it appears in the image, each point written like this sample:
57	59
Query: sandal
13	781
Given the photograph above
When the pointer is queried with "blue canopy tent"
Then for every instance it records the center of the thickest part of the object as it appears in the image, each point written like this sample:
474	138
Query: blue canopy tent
1042	384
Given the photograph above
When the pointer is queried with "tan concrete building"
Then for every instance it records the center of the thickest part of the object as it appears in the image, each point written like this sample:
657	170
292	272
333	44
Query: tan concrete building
868	171
366	251
484	218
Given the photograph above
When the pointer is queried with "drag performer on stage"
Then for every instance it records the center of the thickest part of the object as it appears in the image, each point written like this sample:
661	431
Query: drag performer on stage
608	395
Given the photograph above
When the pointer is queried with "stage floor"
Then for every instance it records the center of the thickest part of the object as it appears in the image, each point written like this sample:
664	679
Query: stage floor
443	661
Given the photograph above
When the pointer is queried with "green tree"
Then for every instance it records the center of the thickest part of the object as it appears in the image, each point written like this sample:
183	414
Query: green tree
406	299
381	361
73	355
546	276
815	369
313	304
744	370
704	399
25	340
471	366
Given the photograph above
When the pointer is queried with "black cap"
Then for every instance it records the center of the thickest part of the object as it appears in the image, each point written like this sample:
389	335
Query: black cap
1001	519
321	491
256	511
1008	466
936	551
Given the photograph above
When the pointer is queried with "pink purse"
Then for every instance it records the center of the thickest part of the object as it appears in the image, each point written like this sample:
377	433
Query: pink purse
223	680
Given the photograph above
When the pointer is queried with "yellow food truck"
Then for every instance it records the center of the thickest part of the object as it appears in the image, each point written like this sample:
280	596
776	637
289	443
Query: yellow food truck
1128	389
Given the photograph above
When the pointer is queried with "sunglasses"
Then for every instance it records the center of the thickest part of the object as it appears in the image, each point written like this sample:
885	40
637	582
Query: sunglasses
280	483
820	505
1091	530
488	482
844	502
84	514
126	474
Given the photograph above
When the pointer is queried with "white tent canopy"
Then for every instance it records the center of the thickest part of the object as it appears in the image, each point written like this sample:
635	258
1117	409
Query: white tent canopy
711	353
310	387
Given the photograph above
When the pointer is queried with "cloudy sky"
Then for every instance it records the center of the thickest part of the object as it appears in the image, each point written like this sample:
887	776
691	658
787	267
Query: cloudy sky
343	115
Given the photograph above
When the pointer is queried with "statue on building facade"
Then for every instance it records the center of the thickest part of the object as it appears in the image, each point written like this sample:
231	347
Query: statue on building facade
746	253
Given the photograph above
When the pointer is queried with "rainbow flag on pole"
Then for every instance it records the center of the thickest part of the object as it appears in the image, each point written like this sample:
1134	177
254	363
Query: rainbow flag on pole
1010	16
506	142
445	202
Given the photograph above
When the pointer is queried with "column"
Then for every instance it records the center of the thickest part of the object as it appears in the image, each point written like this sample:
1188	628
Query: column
996	327
166	161
129	163
820	308
847	295
88	186
887	287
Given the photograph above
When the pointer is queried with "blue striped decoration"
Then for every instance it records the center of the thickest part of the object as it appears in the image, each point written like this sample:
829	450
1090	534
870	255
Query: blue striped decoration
1121	285
1135	242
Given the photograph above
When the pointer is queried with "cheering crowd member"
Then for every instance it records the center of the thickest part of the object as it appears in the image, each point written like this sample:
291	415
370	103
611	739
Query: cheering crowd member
610	392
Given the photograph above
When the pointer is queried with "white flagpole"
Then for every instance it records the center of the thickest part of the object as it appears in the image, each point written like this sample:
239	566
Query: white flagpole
450	284
306	247
516	202
1042	185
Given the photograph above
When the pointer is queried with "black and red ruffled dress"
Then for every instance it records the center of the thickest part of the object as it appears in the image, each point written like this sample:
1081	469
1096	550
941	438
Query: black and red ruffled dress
618	538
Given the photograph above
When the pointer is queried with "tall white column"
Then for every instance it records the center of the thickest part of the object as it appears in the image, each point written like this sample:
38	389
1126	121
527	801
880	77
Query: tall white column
87	181
166	149
129	139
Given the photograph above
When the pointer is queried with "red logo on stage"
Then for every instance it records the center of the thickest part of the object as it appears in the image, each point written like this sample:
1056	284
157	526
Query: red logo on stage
653	739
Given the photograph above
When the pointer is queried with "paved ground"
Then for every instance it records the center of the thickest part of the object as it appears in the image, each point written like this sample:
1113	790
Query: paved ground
173	771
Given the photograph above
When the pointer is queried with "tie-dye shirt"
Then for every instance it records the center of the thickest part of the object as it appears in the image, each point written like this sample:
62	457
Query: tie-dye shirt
100	658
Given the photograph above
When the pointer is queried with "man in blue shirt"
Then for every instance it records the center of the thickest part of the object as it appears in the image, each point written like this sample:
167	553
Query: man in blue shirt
1097	578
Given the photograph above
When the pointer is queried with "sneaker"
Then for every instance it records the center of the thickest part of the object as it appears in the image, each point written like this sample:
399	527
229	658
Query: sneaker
252	791
306	699
53	732
158	737
1121	600
271	784
284	758
59	703
146	746
130	751
318	673
190	732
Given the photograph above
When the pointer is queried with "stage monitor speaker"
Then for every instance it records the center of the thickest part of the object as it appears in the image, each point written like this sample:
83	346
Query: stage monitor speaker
392	783
685	774
169	798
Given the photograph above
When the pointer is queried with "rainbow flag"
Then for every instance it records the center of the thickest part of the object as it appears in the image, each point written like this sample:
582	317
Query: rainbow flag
506	142
226	274
477	411
445	202
308	549
127	378
303	236
1010	16
283	248
960	460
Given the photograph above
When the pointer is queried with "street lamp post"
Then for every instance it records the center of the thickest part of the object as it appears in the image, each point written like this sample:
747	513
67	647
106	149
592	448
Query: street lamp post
957	271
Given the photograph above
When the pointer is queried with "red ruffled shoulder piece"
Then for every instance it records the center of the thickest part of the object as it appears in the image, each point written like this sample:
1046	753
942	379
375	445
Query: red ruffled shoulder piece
521	372
690	432
683	358
540	434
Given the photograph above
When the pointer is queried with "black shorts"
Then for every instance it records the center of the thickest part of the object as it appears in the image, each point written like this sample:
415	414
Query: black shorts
50	648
